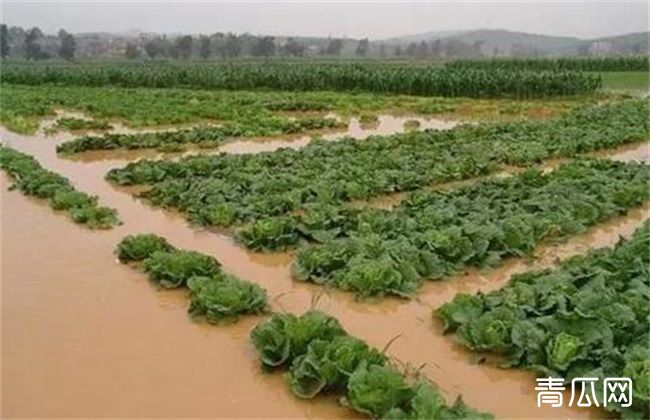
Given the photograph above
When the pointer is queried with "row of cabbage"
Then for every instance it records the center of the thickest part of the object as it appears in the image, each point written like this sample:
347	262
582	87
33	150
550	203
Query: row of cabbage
33	180
175	140
226	190
587	318
607	63
309	76
215	295
321	358
434	234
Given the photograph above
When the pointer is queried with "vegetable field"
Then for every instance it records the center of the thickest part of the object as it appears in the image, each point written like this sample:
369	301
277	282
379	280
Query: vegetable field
225	190
322	238
588	317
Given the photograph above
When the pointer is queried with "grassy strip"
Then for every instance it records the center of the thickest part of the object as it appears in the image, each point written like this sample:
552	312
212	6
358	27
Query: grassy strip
32	179
433	234
214	295
202	136
589	317
322	358
313	76
627	81
229	189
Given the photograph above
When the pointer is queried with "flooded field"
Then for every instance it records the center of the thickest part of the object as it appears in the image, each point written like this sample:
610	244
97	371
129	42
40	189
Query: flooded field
84	336
385	125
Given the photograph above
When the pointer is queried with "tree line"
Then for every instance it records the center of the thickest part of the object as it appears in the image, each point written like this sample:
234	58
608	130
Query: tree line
33	44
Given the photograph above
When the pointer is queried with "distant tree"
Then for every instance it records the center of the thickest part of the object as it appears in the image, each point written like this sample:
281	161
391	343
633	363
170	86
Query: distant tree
154	47
436	48
412	49
131	51
398	51
362	48
457	48
232	46
423	49
478	48
263	46
182	47
32	47
204	47
334	47
4	41
67	45
382	50
293	48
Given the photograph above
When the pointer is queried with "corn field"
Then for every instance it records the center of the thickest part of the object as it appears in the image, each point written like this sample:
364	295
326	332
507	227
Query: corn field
615	63
461	81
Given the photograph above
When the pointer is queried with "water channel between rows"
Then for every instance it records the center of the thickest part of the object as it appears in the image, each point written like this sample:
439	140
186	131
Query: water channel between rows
84	336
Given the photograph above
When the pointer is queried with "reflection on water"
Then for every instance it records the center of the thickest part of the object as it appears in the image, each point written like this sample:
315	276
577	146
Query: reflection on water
86	336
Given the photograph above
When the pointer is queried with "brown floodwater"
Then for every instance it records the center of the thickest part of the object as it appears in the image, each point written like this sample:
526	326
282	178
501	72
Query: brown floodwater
84	336
385	125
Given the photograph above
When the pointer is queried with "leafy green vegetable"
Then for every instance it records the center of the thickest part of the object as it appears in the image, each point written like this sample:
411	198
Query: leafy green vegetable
464	309
221	297
321	358
375	390
329	364
172	269
310	184
73	124
284	336
427	403
562	350
34	180
173	141
589	317
436	233
94	217
214	295
140	247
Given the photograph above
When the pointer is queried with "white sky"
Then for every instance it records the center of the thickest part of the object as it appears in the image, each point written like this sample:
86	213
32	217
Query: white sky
375	20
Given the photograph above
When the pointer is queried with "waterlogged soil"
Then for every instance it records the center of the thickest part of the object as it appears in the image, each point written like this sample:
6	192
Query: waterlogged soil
385	125
84	336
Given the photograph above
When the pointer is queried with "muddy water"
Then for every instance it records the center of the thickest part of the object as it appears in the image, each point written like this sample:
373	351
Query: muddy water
86	336
386	125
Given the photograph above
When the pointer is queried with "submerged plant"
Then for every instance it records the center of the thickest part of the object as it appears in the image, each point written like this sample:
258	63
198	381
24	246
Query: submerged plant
327	365
214	295
588	317
322	358
34	180
376	389
172	269
284	337
222	297
140	247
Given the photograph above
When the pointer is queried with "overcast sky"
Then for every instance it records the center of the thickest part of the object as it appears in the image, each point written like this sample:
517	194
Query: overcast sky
375	20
